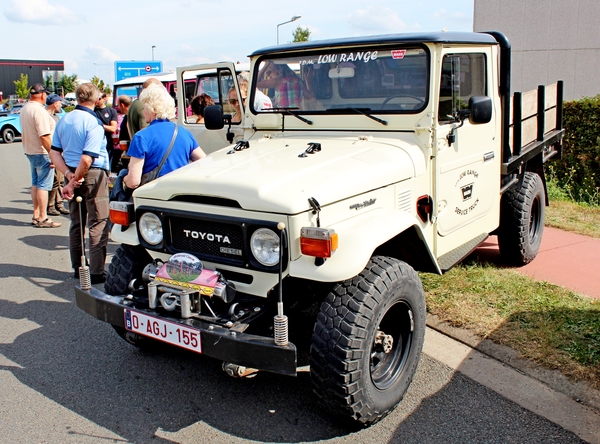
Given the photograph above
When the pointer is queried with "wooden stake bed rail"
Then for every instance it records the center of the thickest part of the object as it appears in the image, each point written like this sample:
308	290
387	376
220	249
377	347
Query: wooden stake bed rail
536	126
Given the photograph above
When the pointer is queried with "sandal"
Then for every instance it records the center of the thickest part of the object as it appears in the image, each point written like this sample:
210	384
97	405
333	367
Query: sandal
48	223
34	221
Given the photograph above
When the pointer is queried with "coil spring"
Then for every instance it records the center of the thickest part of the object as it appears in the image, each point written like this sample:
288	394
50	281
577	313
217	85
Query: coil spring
85	279
281	330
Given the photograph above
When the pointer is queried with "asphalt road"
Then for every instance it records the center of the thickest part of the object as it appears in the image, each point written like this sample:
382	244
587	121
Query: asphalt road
66	377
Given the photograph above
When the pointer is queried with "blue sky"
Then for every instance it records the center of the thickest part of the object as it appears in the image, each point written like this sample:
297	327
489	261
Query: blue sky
91	36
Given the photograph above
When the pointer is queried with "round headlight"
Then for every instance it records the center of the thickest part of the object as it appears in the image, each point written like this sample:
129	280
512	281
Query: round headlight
264	245
151	228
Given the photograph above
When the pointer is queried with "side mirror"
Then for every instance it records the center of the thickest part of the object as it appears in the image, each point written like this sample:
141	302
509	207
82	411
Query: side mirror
213	117
480	108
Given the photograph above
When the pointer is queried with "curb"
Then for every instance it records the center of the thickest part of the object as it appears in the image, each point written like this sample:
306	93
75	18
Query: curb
580	391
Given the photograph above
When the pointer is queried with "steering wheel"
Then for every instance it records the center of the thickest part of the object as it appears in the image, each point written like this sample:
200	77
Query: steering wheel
418	99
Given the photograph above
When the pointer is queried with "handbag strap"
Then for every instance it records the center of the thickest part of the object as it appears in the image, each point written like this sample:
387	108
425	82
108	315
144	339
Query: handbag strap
164	159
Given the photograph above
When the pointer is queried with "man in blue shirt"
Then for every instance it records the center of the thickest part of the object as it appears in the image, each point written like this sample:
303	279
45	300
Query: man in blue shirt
79	151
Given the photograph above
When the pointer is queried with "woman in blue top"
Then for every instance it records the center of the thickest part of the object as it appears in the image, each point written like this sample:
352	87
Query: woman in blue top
149	146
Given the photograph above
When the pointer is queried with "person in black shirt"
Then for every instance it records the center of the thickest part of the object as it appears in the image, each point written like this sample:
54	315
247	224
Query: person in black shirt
109	119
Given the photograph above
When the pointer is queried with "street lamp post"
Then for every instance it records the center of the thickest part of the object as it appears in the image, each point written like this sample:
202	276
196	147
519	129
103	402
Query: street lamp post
153	52
294	18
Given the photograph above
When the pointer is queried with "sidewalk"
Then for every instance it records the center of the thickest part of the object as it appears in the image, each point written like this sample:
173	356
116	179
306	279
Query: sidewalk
566	259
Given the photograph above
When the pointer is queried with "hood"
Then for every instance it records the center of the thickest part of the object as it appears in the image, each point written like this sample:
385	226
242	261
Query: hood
270	175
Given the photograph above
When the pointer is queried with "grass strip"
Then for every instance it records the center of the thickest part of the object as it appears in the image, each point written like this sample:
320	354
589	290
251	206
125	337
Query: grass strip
548	324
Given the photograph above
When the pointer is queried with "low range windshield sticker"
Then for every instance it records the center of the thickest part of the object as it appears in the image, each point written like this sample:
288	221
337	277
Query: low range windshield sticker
364	56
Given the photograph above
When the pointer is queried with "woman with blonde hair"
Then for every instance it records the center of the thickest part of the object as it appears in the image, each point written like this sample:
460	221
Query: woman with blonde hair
149	146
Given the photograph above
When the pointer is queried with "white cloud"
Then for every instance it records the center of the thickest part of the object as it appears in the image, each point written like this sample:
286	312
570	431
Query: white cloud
376	20
39	12
100	54
454	21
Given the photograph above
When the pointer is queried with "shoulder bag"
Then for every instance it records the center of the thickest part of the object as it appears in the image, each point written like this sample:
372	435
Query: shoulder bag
151	175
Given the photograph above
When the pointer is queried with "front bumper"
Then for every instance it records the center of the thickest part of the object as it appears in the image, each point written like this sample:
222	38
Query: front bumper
240	348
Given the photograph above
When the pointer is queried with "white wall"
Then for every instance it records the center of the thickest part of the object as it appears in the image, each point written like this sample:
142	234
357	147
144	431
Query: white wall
551	40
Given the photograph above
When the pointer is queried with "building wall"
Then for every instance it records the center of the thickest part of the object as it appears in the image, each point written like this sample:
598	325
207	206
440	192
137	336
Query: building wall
551	40
37	70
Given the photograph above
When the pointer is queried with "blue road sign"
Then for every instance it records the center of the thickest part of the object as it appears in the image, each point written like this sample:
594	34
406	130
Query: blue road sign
134	68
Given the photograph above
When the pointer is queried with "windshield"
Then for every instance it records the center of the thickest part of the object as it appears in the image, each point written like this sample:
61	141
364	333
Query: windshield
348	80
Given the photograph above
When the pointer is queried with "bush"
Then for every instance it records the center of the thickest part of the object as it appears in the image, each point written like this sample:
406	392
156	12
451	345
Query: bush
578	173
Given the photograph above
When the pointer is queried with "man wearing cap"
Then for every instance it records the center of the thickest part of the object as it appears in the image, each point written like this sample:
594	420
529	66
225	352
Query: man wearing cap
56	205
79	152
37	127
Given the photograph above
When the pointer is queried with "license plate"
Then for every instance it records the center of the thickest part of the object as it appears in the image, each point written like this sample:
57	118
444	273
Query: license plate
165	331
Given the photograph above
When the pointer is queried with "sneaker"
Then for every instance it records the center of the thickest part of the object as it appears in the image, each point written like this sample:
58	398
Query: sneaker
52	211
60	207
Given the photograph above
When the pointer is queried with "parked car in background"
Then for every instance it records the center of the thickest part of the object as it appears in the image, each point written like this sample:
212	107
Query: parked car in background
16	106
10	125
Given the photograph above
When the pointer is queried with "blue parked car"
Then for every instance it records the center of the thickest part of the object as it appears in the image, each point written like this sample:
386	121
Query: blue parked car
10	125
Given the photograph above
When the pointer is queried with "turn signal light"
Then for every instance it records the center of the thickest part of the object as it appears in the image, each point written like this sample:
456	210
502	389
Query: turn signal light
121	213
318	242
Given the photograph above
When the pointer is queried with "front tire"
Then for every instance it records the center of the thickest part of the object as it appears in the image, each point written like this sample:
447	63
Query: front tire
522	221
127	264
367	341
8	135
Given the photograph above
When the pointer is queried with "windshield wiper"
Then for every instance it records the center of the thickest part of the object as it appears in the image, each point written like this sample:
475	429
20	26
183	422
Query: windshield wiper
287	111
363	111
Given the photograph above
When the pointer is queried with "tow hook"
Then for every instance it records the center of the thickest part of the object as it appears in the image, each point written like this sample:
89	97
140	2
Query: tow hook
238	371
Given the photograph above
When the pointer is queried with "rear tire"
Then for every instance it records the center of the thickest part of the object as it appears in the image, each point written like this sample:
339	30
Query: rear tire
8	135
367	341
522	221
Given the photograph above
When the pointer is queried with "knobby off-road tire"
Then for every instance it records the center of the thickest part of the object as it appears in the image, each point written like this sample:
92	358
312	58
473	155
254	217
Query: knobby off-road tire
355	373
522	221
126	265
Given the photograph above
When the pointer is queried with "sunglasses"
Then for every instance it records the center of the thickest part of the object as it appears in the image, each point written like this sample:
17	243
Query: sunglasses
235	101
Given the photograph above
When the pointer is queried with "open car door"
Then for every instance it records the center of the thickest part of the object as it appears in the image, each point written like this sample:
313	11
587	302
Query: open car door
216	80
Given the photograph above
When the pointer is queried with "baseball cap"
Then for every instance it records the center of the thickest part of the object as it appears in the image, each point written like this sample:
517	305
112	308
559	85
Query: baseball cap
52	98
38	88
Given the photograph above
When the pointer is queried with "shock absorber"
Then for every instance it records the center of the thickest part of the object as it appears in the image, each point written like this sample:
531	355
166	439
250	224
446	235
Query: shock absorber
280	326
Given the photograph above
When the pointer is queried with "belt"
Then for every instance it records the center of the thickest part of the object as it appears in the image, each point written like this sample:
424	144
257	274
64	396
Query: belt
89	169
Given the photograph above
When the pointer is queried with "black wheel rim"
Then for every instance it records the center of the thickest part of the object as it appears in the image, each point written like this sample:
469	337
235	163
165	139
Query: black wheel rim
386	368
534	220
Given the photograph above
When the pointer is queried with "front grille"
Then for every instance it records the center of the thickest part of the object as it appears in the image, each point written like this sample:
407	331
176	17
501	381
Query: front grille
207	238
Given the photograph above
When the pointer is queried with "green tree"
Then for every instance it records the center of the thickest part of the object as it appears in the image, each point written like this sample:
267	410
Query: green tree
22	86
67	84
301	35
100	84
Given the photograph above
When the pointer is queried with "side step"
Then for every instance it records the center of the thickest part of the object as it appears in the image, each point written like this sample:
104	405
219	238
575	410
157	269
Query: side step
453	257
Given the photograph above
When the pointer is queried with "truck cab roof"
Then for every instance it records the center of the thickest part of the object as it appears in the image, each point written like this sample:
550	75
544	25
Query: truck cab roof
417	37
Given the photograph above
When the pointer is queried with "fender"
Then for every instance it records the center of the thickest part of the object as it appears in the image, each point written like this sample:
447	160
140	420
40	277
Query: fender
128	237
357	242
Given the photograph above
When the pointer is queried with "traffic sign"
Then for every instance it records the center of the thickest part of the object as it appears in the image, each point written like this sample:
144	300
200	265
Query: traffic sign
134	68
